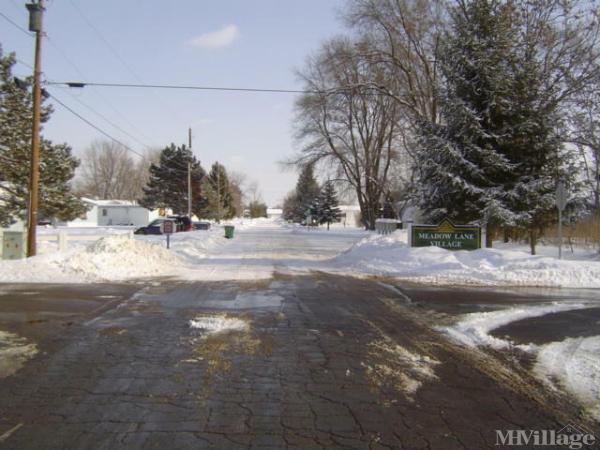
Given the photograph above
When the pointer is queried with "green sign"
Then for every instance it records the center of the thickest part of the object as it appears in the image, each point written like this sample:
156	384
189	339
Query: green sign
446	235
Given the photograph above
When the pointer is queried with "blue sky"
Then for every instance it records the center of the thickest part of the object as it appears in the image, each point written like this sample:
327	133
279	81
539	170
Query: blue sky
230	43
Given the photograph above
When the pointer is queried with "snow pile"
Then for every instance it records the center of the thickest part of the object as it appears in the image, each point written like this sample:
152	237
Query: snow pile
218	324
473	329
116	258
390	256
575	364
14	352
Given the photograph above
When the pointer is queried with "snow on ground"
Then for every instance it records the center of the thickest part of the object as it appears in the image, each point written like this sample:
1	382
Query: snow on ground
14	352
473	329
218	324
572	364
575	365
390	256
263	246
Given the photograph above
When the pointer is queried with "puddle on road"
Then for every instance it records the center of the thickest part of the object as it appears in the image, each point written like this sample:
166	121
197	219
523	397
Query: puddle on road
247	300
14	352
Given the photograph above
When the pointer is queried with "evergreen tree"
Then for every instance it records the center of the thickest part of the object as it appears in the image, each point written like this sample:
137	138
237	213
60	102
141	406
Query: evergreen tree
307	190
289	206
257	209
57	164
168	182
494	157
463	164
328	205
219	200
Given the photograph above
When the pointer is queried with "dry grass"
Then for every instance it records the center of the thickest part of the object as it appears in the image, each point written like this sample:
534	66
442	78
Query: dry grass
585	233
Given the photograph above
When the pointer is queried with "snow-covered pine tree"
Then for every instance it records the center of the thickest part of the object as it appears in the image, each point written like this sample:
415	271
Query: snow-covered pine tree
167	186
328	205
463	159
57	164
497	155
307	190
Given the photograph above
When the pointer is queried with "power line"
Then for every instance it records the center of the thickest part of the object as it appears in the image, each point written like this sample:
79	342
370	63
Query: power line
78	84
29	66
97	128
91	25
117	55
15	24
104	99
179	169
107	120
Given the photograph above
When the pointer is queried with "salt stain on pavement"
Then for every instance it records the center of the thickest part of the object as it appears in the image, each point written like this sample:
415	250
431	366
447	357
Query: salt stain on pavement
14	352
398	367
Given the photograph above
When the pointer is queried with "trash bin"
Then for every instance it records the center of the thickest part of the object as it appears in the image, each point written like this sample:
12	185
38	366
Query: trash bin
229	231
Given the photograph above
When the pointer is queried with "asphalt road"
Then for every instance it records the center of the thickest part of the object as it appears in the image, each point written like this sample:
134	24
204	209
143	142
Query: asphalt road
327	362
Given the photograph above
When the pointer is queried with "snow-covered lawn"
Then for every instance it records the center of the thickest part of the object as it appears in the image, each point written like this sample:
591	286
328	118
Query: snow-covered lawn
263	246
507	266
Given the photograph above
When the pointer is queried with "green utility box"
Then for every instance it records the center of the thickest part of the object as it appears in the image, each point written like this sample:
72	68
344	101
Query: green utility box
13	245
229	231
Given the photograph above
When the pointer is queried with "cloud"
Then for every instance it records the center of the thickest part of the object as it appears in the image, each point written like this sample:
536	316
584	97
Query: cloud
216	39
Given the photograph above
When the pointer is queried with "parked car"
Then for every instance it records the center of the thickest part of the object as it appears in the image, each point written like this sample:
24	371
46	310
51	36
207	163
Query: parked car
153	227
201	225
182	223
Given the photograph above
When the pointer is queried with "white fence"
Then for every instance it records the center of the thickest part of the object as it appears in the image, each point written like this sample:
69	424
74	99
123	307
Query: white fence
58	239
62	238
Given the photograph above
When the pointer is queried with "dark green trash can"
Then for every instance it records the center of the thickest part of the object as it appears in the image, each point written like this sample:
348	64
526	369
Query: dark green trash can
229	231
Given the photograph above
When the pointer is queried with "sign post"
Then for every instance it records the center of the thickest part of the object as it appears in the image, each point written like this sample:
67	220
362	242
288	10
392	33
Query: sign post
168	226
561	202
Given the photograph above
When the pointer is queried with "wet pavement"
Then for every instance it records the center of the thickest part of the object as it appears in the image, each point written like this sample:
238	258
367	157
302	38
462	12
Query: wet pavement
326	362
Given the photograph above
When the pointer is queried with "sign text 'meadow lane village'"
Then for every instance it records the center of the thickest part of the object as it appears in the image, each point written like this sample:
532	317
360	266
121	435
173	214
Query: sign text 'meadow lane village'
446	235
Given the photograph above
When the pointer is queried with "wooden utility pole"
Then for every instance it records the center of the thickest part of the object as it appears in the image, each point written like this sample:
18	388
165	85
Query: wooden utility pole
189	174
36	11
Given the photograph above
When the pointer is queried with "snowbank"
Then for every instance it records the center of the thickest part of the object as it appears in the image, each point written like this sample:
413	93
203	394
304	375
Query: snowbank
575	364
473	329
390	256
109	258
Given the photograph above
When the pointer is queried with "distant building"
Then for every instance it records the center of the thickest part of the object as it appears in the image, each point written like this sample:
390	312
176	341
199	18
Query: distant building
106	213
350	216
274	213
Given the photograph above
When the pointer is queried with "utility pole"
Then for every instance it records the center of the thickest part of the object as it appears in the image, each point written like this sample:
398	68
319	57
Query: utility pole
189	174
218	193
36	11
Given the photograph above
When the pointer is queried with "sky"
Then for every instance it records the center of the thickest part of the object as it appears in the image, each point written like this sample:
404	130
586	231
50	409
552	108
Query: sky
226	43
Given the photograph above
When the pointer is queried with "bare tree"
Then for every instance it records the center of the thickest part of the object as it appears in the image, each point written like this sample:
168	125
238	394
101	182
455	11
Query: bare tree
404	36
347	123
108	171
585	134
237	182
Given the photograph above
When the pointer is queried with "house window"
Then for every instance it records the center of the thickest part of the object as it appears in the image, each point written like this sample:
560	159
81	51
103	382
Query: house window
104	212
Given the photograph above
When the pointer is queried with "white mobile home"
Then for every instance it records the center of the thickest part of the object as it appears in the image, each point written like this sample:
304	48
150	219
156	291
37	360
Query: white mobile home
106	213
